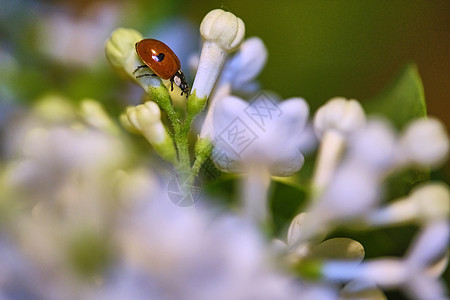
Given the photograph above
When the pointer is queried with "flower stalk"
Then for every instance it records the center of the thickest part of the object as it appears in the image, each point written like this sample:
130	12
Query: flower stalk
254	195
334	122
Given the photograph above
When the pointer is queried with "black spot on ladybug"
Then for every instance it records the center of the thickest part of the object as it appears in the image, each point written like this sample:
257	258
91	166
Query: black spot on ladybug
160	57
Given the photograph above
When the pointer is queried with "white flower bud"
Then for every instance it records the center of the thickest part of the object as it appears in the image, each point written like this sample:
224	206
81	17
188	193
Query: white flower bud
147	119
330	151
121	45
127	124
432	201
223	28
333	122
374	146
426	203
341	115
222	33
425	142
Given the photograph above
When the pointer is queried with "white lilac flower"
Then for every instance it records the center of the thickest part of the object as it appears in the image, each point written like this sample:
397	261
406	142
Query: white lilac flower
263	133
353	192
354	189
147	119
374	146
222	33
340	115
427	203
243	67
238	76
424	142
334	123
261	139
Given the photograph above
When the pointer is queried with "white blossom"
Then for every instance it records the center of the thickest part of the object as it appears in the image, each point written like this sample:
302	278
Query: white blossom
222	32
147	119
334	123
339	115
243	67
374	146
425	142
275	146
238	76
426	203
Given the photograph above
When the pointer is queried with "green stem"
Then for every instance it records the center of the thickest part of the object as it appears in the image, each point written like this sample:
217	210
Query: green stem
182	143
183	151
181	130
195	106
203	149
197	166
161	96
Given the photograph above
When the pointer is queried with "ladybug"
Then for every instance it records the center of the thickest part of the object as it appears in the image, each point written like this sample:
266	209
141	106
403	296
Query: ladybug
162	61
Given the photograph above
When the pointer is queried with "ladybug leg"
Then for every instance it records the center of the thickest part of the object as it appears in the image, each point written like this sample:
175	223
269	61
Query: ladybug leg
145	75
140	67
171	84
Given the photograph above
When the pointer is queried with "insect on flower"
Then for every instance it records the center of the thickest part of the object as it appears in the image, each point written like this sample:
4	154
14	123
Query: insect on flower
162	61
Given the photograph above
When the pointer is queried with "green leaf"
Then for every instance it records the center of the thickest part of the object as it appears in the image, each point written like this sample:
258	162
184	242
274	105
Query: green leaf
402	101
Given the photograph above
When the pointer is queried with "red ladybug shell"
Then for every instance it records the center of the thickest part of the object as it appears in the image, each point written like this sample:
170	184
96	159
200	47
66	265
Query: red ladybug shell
158	57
